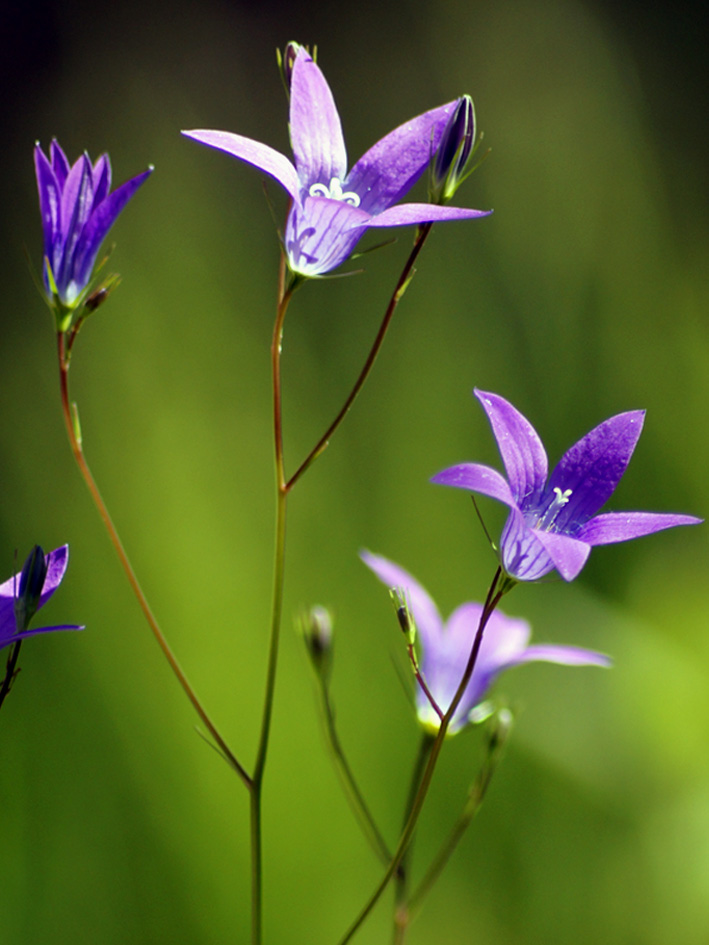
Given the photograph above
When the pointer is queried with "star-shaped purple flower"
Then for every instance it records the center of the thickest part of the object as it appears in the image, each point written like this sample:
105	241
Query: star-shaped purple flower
77	210
11	628
446	647
553	523
331	208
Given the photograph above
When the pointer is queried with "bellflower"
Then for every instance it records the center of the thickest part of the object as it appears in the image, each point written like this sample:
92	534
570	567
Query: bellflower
331	208
28	591
77	211
446	647
553	522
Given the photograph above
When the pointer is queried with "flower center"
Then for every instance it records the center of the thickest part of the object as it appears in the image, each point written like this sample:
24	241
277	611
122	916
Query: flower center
334	192
547	518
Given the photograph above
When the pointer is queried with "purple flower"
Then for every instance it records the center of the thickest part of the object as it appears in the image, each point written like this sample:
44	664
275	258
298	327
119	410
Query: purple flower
446	647
331	208
77	213
553	524
27	591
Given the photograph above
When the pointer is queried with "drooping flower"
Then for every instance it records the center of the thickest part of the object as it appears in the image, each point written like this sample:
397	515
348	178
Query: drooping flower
77	210
331	208
445	647
29	590
553	522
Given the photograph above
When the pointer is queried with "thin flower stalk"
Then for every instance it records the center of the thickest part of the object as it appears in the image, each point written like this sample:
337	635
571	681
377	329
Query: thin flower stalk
402	284
70	415
349	783
282	490
499	587
401	906
476	796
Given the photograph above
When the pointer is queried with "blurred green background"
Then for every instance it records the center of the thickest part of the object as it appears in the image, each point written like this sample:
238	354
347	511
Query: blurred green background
585	294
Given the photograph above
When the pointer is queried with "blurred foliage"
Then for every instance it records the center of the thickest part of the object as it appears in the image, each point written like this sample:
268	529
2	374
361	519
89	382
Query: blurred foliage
583	295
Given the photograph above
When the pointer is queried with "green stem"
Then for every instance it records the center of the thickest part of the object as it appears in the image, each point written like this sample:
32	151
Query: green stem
497	589
401	910
349	784
282	489
401	287
286	287
476	796
69	413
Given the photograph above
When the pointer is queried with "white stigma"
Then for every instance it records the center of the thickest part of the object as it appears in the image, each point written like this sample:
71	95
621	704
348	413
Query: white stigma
334	192
561	497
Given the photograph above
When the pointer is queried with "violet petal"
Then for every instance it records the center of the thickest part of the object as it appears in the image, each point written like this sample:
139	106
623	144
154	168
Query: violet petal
592	468
622	526
259	155
521	449
391	167
477	478
315	129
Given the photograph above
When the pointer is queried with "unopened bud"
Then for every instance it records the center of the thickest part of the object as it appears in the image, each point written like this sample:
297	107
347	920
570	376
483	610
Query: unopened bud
286	61
454	151
499	729
29	591
403	614
100	294
316	627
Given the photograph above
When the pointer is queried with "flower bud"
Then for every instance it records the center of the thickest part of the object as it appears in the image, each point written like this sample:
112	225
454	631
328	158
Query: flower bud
403	614
286	61
316	627
499	729
454	151
34	572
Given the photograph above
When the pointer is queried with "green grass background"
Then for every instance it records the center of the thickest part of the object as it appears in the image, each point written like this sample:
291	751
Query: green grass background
584	295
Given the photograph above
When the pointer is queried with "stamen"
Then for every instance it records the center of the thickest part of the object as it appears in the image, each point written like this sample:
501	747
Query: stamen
546	519
334	192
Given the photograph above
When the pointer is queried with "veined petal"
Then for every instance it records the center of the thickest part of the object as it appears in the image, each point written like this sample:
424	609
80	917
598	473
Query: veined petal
315	128
50	200
101	221
322	233
391	167
592	468
563	655
569	555
102	179
259	155
77	197
622	526
77	203
60	164
477	478
57	562
425	613
404	214
521	449
523	556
